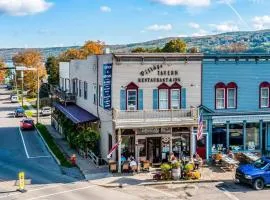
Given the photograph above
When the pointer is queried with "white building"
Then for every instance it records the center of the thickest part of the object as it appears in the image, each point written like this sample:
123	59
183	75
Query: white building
147	100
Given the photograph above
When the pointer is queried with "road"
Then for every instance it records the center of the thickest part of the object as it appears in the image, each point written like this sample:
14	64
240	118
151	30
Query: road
25	151
199	191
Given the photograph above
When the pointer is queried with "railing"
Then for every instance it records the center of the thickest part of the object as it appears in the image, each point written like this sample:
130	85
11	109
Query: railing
153	115
95	159
65	96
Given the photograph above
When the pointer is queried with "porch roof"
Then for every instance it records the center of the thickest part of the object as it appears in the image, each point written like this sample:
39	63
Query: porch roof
76	114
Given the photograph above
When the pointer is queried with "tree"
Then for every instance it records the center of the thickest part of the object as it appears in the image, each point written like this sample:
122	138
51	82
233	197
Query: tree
71	54
175	46
89	48
236	47
30	59
52	68
139	50
92	47
3	72
87	138
193	50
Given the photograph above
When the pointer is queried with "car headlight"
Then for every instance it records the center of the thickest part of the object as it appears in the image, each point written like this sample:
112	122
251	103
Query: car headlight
248	177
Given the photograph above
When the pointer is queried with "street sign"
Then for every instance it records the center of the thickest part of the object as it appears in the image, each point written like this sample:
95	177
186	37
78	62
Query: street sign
21	182
22	68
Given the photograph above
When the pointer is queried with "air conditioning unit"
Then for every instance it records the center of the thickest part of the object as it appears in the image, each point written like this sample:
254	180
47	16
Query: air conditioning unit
132	108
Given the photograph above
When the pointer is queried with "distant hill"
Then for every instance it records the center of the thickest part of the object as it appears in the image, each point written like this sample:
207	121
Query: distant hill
256	41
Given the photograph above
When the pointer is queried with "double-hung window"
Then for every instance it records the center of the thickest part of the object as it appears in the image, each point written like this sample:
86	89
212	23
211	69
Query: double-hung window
132	99
95	94
264	97
80	88
175	98
163	99
231	101
85	90
220	98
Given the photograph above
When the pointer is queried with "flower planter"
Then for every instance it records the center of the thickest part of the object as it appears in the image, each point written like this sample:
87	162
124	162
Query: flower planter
176	173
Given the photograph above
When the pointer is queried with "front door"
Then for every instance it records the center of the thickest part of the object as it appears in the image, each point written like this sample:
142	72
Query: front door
154	150
201	147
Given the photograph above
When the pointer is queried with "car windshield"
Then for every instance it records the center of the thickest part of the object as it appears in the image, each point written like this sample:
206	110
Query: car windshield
28	121
260	163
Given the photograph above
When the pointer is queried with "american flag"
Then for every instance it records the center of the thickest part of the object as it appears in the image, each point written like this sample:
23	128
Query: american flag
200	127
113	149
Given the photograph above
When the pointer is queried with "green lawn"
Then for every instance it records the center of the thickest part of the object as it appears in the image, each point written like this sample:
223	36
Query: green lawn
55	149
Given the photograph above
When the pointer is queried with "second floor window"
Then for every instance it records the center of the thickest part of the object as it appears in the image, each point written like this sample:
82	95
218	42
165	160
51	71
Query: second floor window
220	98
85	90
100	96
264	97
95	94
175	98
80	88
231	92
132	99
163	99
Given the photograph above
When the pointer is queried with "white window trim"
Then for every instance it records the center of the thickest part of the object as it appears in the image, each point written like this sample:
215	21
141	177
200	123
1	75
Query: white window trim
234	98
164	99
136	106
179	92
265	97
220	108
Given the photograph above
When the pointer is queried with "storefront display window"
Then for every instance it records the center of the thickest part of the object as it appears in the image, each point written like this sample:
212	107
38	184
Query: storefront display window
252	136
219	137
128	146
181	142
236	137
142	147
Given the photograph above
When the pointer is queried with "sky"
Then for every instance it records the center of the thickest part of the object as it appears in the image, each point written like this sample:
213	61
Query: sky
51	23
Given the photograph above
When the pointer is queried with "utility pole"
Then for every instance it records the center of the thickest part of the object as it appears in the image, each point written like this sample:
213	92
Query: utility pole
37	95
22	86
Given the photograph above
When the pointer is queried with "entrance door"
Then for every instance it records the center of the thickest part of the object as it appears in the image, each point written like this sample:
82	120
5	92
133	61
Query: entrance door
154	150
201	147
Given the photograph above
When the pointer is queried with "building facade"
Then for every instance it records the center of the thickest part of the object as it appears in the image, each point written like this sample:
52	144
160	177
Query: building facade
235	102
147	101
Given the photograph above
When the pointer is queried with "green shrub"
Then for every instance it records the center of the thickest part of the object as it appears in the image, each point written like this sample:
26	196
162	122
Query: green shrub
176	165
49	140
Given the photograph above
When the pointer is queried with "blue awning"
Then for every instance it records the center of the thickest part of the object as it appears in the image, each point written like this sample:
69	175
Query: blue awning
76	114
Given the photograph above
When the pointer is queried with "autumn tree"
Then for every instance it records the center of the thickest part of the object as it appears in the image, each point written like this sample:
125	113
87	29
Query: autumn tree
193	50
89	48
236	47
52	68
30	59
175	46
139	50
3	71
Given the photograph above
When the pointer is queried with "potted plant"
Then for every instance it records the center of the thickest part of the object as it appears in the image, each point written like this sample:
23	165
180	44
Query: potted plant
166	171
188	170
176	170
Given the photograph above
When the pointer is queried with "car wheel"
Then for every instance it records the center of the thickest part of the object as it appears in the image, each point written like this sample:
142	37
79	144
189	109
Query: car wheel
258	184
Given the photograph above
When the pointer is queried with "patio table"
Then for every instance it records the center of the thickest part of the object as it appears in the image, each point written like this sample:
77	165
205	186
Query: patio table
251	156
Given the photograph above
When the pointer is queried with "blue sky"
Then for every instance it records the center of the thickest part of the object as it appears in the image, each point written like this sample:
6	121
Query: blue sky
44	23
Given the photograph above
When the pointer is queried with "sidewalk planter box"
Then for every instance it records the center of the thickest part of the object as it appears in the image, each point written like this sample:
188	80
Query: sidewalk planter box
112	166
176	174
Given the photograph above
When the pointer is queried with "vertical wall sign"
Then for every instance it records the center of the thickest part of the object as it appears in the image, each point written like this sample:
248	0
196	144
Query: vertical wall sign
107	86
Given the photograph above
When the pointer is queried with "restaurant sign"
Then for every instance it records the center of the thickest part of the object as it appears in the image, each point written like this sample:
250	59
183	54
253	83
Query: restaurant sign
107	86
163	73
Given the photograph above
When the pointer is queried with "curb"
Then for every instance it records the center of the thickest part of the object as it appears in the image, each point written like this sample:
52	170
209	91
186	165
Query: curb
55	158
119	185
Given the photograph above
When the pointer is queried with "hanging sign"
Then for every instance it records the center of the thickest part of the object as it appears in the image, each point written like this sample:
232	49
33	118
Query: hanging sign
107	86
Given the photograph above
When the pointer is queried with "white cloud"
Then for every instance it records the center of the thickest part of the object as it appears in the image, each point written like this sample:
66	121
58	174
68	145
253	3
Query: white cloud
191	3
261	22
194	25
224	27
200	33
105	9
162	27
182	35
24	7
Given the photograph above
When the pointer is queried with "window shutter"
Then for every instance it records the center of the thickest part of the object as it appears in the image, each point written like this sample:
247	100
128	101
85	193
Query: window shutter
123	99
140	100
183	98
155	99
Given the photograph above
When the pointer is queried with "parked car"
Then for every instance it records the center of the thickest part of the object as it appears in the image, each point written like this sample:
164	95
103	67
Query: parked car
256	174
14	99
19	112
46	111
9	87
27	124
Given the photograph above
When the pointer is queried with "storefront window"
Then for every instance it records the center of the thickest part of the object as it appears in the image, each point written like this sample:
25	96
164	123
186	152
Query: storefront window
219	133
253	136
236	137
181	142
163	99
142	147
128	146
175	99
132	99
